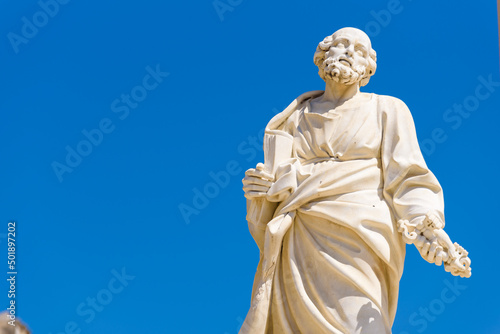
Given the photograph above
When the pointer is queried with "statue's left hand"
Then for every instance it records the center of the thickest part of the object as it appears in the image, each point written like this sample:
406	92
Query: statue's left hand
431	251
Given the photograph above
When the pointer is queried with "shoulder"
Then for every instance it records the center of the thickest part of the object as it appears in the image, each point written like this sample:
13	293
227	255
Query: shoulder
393	108
390	101
280	118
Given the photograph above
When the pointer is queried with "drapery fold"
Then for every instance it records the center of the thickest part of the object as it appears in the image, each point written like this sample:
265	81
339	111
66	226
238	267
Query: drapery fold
331	252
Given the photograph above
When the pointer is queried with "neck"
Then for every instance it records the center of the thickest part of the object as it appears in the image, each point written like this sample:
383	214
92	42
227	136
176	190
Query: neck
338	93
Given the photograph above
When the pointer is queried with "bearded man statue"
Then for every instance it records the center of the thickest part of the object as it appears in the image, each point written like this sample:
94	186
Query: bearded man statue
343	187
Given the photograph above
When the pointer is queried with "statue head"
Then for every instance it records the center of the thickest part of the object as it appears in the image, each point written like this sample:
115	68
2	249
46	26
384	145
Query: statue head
346	57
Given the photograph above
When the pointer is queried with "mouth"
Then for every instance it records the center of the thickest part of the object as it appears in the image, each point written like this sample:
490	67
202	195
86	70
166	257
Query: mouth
345	61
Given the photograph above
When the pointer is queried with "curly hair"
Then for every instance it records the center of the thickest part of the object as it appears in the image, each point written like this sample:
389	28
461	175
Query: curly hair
325	45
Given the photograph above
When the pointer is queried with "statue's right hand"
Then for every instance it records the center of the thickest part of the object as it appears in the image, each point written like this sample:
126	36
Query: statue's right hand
257	182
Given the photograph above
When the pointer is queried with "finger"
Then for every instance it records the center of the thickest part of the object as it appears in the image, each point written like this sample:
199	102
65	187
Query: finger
260	166
439	256
250	170
420	241
254	194
425	249
260	174
253	187
258	181
432	252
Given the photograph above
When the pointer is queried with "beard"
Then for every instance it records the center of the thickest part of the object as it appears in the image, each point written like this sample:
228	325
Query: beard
344	74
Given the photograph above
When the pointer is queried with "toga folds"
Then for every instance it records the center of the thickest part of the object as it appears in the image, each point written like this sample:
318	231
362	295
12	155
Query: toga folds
330	254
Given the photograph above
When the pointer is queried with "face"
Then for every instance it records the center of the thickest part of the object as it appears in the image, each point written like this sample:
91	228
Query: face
346	57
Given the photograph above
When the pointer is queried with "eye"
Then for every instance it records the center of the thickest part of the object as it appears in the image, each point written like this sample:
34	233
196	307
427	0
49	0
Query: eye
361	52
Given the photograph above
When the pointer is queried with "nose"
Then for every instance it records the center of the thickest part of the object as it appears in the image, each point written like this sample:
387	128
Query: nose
350	50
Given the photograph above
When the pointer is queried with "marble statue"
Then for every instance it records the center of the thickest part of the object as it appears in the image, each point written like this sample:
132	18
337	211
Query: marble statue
342	189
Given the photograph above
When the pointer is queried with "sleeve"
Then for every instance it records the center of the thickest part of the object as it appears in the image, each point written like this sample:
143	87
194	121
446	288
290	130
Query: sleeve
410	188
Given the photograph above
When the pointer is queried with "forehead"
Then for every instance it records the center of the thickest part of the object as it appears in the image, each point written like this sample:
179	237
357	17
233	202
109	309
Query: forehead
353	35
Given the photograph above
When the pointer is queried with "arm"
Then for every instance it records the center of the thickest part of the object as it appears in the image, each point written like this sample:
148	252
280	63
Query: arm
413	192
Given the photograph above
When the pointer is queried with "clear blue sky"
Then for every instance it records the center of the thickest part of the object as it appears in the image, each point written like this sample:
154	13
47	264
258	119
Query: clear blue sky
114	115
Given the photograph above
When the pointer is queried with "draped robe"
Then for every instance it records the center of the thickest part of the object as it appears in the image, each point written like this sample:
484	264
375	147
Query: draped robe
331	257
